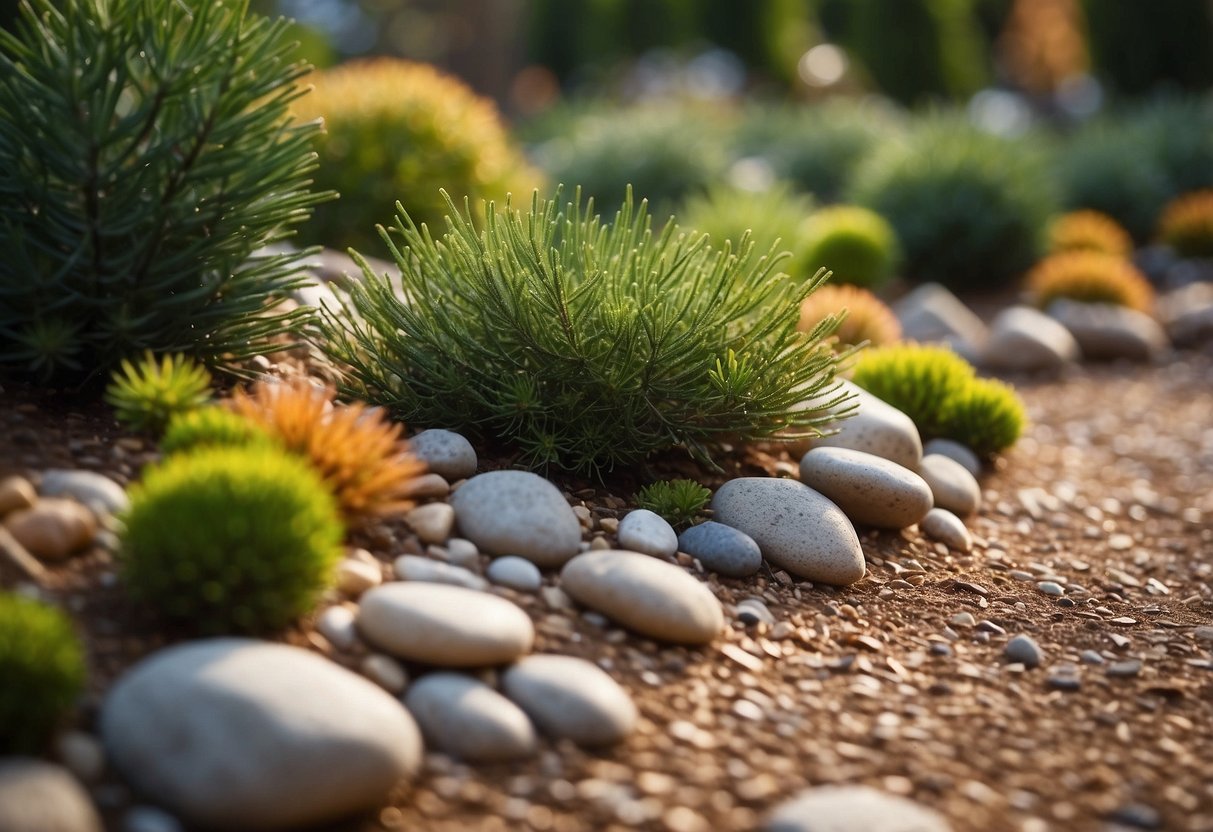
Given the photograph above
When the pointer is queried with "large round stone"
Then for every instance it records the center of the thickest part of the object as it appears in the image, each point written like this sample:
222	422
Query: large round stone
652	597
517	513
571	698
869	489
242	734
444	625
796	528
445	453
466	718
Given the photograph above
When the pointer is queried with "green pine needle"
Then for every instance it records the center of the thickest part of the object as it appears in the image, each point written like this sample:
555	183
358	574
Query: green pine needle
584	345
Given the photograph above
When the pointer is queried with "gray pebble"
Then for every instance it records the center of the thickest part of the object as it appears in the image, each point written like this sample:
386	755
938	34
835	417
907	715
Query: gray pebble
1051	588
571	698
754	611
647	532
150	819
1024	649
466	718
445	452
36	796
722	549
516	573
852	809
956	452
417	568
1125	669
1090	657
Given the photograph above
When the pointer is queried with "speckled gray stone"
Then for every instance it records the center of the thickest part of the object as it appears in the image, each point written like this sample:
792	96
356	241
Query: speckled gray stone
852	809
646	532
443	625
797	528
517	513
445	453
722	549
36	796
652	597
466	718
956	452
874	427
1108	331
944	526
952	486
242	734
571	698
870	490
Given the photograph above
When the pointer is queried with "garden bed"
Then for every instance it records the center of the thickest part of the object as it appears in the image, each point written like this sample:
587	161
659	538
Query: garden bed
887	682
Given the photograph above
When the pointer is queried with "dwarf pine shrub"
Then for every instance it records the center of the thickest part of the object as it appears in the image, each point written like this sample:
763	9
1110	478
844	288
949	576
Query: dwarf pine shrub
679	501
146	155
583	344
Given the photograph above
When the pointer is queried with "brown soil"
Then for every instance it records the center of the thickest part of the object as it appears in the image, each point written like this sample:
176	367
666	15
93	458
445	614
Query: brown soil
1110	494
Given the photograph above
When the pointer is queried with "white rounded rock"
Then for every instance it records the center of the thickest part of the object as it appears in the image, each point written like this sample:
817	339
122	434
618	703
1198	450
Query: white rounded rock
337	625
428	570
869	489
516	573
571	698
952	486
445	452
652	597
944	526
874	427
1025	339
797	528
432	522
36	796
448	626
852	809
242	734
97	491
356	576
647	532
956	452
466	718
517	513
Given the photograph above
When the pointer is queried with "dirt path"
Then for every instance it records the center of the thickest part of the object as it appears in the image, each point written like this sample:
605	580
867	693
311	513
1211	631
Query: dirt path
1110	495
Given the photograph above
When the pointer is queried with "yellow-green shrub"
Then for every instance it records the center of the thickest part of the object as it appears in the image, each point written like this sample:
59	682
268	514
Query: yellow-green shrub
856	244
397	130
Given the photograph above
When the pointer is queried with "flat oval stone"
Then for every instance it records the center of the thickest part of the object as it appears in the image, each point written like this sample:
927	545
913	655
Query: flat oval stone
466	718
875	427
722	549
52	528
869	489
443	625
242	734
956	452
1107	331
428	570
797	528
517	513
952	486
571	698
652	597
647	532
944	526
36	796
516	573
97	491
445	452
852	809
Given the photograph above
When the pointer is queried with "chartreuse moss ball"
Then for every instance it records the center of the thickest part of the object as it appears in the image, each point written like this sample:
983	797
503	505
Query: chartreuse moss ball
41	672
238	539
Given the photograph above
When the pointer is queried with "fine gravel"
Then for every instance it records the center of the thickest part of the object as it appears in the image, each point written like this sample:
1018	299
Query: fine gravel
899	682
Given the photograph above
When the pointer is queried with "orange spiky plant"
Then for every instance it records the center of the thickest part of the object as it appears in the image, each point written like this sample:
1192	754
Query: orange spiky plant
1090	277
868	318
1187	224
356	450
1089	231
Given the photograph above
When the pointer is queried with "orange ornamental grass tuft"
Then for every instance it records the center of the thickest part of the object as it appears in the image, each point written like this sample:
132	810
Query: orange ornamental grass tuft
1187	224
1090	277
357	451
1089	231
